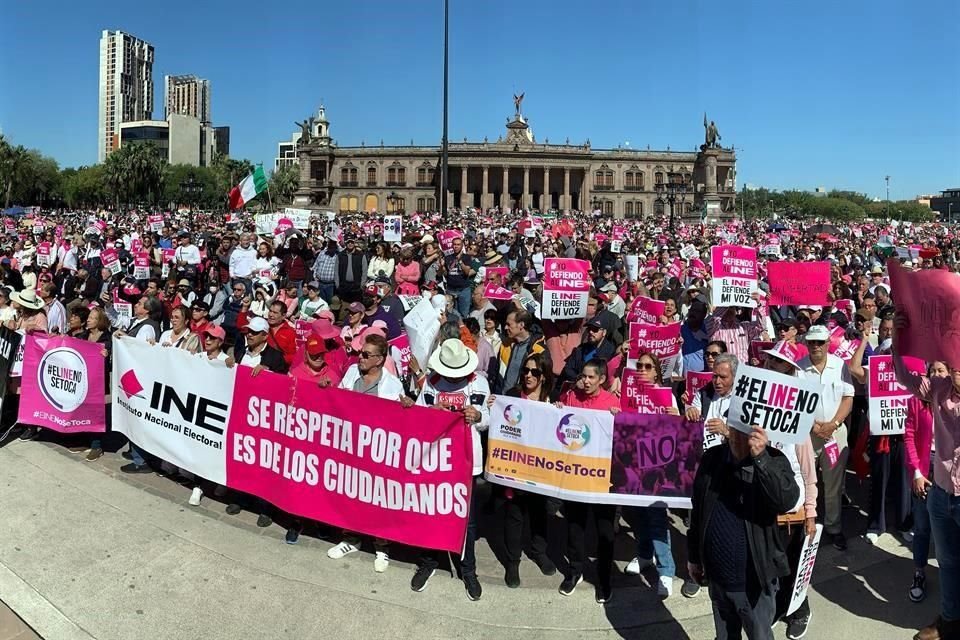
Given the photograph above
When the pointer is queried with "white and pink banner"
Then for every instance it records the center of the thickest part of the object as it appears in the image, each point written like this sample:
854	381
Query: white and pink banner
45	254
111	261
566	288
734	276
640	397
644	309
888	399
155	222
63	384
352	461
141	266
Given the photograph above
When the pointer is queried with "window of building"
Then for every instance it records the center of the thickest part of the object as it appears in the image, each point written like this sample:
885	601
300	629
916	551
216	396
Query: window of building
371	176
658	177
431	204
658	207
318	171
395	205
628	206
421	204
348	176
608	208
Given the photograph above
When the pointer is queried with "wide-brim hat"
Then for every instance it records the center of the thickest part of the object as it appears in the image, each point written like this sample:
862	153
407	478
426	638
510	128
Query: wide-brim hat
784	351
491	258
453	359
27	299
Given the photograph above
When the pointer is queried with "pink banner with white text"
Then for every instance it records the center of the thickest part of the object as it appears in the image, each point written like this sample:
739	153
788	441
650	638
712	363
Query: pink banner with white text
796	283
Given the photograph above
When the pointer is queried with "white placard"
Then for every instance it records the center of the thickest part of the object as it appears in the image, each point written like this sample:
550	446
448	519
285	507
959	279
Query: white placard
783	406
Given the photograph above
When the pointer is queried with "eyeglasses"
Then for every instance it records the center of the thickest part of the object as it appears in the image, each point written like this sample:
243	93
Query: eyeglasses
536	373
239	290
645	366
816	343
367	354
784	327
712	354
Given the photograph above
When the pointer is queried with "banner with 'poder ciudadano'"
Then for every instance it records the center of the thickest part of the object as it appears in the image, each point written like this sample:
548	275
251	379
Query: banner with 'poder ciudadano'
345	459
589	456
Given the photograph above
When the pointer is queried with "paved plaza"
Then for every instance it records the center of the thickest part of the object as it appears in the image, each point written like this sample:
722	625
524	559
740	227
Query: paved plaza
91	553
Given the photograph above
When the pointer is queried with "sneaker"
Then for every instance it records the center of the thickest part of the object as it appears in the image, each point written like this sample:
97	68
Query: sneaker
637	565
220	491
665	586
603	594
546	565
136	468
264	521
797	626
690	589
340	550
839	541
292	536
919	589
195	496
30	433
907	536
380	562
512	576
94	454
233	509
126	454
872	537
569	584
472	585
420	578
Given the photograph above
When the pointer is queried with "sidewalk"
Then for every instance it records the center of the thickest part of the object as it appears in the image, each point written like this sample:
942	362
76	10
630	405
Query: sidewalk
13	628
92	553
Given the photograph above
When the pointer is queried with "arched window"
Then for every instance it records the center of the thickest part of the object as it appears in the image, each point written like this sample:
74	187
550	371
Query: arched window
395	205
348	176
640	209
431	204
638	180
371	175
396	175
628	206
421	204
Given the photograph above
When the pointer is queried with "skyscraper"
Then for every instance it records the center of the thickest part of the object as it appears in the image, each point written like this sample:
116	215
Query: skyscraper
126	86
187	95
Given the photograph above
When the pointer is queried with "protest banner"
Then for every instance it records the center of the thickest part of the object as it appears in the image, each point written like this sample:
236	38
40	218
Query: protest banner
930	299
400	352
756	350
123	309
566	287
783	406
797	283
16	367
283	225
369	466
639	397
648	310
156	222
662	340
675	269
303	328
619	232
45	254
422	325
39	228
589	456
697	268
633	267
493	291
497	275
9	226
141	266
267	222
66	386
111	261
688	252
446	238
888	398
696	380
808	557
392	228
10	348
616	246
770	250
734	276
846	307
842	346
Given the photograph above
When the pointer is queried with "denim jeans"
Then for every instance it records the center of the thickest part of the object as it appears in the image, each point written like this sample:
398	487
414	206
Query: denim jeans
921	533
326	291
462	299
652	533
944	510
136	455
468	562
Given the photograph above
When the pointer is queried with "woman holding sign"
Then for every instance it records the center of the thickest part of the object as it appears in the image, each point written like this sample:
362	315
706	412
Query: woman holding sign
649	524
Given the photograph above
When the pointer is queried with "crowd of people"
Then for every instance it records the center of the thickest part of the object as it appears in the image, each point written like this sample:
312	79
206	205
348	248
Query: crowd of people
212	285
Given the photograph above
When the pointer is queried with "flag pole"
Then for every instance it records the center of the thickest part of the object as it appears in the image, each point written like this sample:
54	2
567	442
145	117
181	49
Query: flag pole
444	165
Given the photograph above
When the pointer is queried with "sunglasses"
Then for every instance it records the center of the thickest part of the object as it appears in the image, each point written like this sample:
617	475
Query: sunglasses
256	333
536	373
816	343
645	366
367	354
712	354
784	328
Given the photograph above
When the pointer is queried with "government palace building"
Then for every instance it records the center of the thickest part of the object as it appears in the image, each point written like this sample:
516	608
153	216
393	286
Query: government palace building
515	170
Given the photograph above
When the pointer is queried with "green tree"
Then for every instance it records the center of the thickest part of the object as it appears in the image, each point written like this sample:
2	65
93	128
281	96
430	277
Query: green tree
834	209
176	174
284	182
14	169
134	173
228	173
83	187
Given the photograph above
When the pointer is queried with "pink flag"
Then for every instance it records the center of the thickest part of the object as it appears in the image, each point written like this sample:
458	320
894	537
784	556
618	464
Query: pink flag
796	283
63	385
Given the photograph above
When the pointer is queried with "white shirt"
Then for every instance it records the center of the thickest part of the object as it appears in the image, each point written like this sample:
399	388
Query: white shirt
56	317
837	384
188	253
242	262
719	408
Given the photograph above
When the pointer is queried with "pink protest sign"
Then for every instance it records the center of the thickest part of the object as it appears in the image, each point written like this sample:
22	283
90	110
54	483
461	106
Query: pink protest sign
493	291
888	399
155	222
9	226
401	352
640	397
136	246
111	260
497	275
796	283
845	307
66	384
369	466
734	276
303	328
697	268
644	309
45	254
930	299
697	380
100	225
283	224
619	232
446	238
675	269
662	340
141	266
566	287
600	238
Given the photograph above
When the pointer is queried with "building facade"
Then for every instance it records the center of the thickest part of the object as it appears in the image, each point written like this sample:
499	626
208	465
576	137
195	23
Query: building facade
947	205
288	150
515	171
187	95
126	87
180	139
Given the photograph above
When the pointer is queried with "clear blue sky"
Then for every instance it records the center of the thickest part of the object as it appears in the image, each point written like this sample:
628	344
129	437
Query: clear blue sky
834	94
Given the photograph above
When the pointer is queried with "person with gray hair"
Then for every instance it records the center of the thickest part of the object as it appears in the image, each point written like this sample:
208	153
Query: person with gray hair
712	403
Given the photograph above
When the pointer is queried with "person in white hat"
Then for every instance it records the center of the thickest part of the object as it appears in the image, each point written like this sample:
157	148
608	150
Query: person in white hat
29	308
454	385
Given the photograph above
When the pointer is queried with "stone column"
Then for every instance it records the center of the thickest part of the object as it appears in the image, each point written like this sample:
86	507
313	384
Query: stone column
505	195
484	195
585	191
525	197
546	200
464	202
565	201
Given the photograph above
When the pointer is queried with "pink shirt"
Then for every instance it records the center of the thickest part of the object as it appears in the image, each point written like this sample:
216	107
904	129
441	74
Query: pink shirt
604	400
918	437
407	278
945	406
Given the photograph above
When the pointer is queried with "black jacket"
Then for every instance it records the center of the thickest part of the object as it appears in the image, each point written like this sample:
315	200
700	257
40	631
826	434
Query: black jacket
270	358
575	361
774	491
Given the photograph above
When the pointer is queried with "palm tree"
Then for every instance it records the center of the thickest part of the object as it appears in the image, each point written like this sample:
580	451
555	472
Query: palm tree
284	183
13	164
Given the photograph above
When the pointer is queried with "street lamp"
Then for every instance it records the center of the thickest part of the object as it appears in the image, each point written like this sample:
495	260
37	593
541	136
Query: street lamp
393	202
949	212
674	190
191	190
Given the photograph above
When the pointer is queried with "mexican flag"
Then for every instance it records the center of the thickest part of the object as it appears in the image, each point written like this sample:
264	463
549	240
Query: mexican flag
251	186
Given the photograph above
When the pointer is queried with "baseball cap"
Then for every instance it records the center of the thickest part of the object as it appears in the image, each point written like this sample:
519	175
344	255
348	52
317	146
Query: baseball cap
257	325
313	284
818	332
355	306
316	345
215	332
